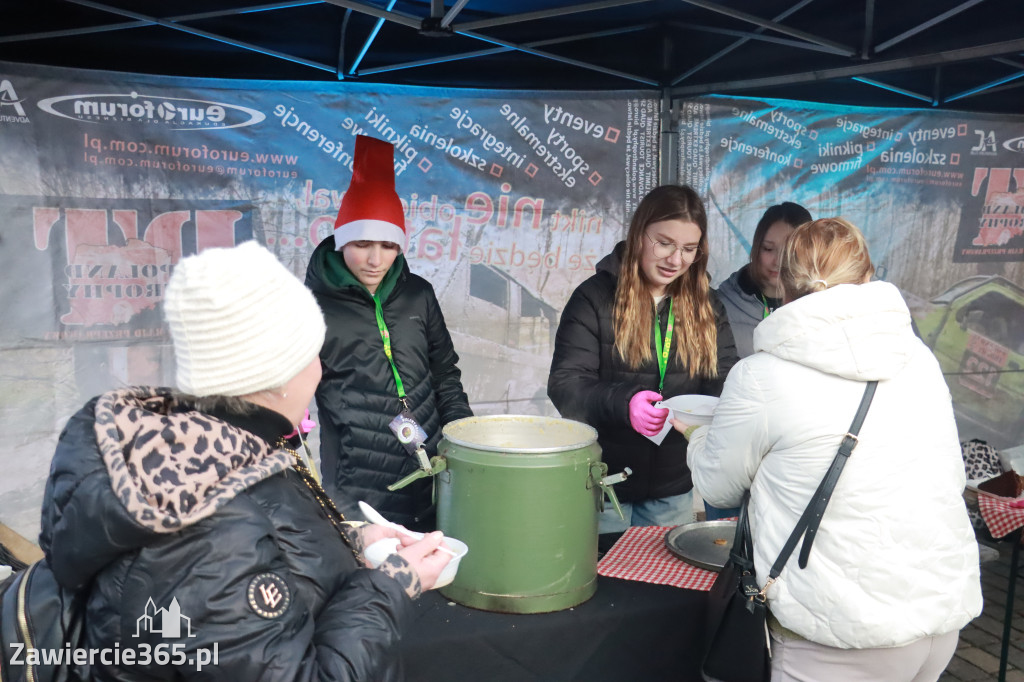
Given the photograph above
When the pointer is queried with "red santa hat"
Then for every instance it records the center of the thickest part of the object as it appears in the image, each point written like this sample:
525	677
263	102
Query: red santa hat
371	209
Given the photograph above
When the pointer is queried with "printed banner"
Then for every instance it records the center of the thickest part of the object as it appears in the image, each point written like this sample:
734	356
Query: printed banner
110	179
939	196
511	199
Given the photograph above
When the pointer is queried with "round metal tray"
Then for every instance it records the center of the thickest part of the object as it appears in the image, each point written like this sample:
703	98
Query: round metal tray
701	544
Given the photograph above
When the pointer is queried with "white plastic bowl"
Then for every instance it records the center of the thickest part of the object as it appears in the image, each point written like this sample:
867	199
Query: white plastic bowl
377	552
380	550
694	409
448	573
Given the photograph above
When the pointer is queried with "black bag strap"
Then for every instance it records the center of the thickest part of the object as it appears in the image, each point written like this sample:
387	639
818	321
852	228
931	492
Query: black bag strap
741	557
742	552
807	526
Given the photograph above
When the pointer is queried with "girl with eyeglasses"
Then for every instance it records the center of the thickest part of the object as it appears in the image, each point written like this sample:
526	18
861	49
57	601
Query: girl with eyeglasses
644	327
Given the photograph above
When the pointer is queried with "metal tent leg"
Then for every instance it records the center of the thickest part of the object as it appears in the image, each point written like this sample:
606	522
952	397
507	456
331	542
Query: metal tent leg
1011	589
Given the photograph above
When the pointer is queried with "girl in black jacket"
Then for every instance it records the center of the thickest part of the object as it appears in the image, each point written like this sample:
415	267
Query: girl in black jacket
388	351
646	326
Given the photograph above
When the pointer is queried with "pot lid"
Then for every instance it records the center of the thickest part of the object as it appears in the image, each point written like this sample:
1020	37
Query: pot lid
528	434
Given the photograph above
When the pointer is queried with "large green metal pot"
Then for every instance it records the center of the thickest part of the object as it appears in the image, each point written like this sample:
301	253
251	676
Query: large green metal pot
523	492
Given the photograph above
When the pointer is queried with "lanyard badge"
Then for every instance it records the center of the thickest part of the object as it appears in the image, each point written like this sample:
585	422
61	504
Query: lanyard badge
412	437
408	432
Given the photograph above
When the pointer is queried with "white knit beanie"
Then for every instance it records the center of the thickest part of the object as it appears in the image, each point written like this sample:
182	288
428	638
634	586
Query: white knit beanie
240	322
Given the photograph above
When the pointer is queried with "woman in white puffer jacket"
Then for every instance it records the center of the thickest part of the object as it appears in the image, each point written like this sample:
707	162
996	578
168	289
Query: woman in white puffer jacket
893	573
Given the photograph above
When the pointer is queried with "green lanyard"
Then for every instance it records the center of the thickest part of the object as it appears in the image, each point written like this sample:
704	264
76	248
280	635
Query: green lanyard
660	349
385	336
766	312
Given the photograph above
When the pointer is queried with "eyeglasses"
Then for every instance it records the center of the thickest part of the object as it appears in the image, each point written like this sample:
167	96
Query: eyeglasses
666	249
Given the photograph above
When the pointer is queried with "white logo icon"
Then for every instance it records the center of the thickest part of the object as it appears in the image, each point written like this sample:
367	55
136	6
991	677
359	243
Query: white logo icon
271	595
1014	145
178	113
9	98
986	142
166	622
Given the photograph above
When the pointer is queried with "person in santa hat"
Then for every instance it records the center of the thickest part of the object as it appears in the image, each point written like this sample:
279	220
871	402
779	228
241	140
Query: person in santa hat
390	370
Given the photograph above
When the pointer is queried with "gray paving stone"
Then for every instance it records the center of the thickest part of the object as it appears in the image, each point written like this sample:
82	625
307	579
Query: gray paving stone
977	655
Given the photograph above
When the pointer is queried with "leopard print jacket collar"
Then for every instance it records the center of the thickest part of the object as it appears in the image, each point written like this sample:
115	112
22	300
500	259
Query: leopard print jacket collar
171	466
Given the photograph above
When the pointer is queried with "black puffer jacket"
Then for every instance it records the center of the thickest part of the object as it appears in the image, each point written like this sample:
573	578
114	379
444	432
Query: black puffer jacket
149	502
357	396
590	383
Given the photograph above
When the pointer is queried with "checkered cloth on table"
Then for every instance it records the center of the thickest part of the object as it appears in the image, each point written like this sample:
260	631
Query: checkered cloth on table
640	554
1001	518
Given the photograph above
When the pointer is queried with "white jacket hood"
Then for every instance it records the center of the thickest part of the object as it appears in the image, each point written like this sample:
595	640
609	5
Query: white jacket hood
856	331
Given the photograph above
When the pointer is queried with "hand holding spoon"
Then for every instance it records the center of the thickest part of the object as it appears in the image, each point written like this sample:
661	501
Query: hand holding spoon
374	516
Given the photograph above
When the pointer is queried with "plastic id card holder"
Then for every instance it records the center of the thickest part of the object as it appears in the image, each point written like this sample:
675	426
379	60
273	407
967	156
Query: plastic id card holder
408	432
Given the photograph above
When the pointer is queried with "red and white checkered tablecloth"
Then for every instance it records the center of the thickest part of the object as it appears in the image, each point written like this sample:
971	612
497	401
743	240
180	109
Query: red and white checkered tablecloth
1000	514
640	554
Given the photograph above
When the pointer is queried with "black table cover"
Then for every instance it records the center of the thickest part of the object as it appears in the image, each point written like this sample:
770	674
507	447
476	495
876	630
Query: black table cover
627	631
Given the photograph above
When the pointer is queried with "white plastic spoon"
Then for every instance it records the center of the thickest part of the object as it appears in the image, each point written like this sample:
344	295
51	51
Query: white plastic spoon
374	516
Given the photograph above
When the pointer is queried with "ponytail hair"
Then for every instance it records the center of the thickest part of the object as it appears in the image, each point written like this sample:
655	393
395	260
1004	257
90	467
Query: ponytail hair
821	254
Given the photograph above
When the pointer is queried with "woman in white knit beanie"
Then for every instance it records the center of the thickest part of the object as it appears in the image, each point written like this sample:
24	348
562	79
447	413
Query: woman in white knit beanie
194	502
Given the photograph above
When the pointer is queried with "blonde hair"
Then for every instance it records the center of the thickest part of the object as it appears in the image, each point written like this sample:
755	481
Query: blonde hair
216	403
821	254
695	331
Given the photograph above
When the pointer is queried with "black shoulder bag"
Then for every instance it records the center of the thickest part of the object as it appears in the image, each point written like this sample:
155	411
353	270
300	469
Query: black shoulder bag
41	624
738	649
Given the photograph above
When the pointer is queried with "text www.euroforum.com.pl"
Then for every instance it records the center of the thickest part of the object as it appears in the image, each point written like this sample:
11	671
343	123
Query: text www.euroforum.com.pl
179	158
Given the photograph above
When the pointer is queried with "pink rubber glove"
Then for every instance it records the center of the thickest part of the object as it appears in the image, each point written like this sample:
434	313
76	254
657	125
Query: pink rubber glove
645	418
